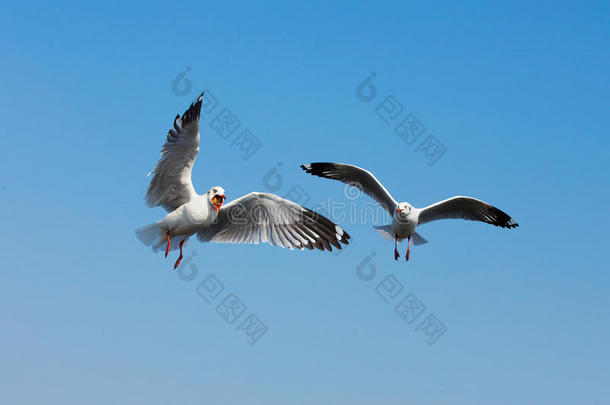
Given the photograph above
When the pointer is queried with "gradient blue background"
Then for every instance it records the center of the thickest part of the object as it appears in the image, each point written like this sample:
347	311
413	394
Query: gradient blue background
518	94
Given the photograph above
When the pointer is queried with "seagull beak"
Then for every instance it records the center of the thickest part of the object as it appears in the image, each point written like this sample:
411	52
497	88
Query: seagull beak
217	201
398	210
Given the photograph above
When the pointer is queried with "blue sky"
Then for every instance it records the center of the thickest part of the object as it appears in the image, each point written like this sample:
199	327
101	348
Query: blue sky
517	94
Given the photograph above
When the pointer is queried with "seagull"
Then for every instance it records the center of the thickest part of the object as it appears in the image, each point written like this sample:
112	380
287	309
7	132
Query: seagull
405	217
253	218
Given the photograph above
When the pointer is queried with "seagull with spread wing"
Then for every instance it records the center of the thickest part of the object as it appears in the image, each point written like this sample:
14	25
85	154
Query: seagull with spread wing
405	217
253	218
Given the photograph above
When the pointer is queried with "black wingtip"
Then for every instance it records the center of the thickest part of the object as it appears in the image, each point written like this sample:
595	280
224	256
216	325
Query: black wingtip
326	231
194	111
316	169
502	219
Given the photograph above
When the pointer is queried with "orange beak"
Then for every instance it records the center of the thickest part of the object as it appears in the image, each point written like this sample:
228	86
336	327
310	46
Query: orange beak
398	210
217	201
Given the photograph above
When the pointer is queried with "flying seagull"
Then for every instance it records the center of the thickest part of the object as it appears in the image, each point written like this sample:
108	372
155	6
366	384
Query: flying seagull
253	218
405	217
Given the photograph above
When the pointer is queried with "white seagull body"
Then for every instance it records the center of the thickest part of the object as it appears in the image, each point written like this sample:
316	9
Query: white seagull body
405	217
253	218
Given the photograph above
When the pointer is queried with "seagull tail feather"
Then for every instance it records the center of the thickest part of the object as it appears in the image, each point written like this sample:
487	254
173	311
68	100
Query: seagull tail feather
385	231
418	239
149	234
154	235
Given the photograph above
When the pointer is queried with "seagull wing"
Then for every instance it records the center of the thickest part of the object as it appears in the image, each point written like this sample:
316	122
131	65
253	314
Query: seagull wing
266	218
171	186
357	177
469	208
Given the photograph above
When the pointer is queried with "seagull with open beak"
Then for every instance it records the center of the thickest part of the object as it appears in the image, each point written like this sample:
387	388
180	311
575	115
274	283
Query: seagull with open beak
217	199
252	219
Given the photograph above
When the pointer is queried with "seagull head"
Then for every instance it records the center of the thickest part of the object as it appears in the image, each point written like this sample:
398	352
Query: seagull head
403	210
217	197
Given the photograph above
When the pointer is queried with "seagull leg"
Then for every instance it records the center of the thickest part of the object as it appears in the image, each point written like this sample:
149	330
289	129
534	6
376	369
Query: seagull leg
169	244
408	248
396	255
180	257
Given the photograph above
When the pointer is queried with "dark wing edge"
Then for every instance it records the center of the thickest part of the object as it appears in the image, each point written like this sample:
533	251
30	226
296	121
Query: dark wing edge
275	221
170	186
193	113
354	176
467	208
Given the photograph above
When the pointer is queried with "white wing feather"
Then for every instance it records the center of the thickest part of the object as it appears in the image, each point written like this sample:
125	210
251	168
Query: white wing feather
357	177
171	185
469	208
266	218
